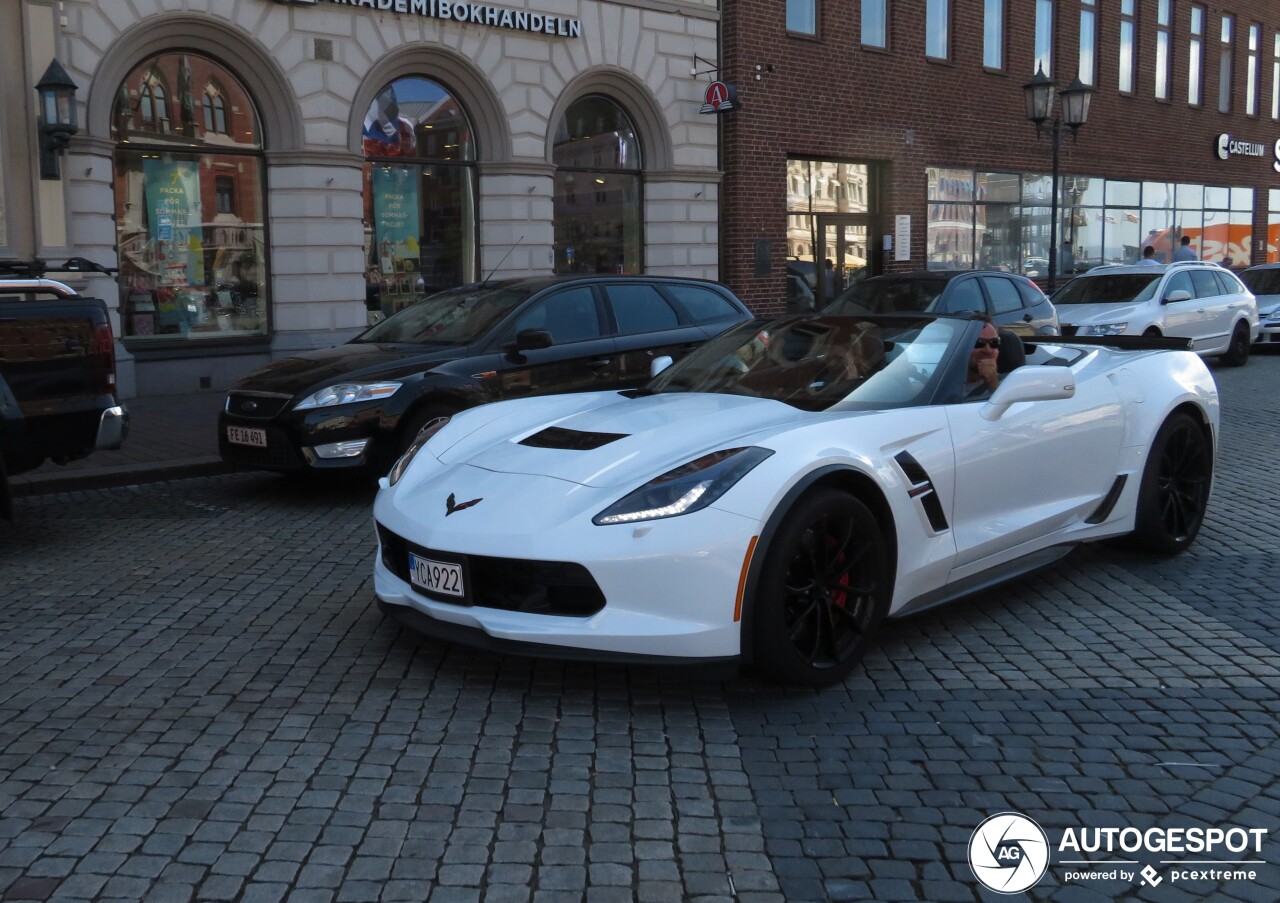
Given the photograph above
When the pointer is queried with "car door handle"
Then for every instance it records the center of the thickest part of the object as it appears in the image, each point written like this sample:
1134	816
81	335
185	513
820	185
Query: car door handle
1027	318
601	363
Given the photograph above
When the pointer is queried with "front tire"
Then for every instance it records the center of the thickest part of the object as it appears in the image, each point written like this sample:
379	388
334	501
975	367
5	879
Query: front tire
1175	487
1237	353
824	589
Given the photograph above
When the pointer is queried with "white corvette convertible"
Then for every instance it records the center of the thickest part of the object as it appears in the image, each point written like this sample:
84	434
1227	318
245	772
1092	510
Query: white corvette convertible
775	495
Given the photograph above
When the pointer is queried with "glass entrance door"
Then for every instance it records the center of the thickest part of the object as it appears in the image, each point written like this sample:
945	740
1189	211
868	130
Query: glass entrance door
843	254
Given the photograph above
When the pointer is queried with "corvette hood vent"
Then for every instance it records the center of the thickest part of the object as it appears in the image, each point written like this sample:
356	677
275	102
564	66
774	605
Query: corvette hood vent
572	440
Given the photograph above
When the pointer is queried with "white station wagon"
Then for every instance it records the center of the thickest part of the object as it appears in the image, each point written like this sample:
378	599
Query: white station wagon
1191	299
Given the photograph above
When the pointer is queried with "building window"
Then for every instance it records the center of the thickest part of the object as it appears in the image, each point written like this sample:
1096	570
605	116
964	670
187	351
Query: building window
1163	23
1273	219
993	34
1253	71
937	29
802	16
224	191
1044	36
1195	58
1275	77
991	220
1089	41
420	194
189	215
875	23
818	188
1128	43
215	110
1226	64
599	202
153	103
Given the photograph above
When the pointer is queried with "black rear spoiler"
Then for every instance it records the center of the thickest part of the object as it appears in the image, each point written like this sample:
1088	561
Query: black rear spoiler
1123	342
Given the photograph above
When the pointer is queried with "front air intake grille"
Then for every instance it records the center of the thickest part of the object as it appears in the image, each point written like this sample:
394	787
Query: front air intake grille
259	407
512	584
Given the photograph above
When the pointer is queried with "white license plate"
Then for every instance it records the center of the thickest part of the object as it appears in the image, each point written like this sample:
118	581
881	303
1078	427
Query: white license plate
239	435
436	576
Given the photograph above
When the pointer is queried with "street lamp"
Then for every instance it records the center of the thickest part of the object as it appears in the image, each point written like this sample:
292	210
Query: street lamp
57	117
1075	110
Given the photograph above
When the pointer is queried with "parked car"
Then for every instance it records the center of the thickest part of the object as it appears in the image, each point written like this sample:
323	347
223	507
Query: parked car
1191	299
1264	281
358	405
774	496
1012	301
59	400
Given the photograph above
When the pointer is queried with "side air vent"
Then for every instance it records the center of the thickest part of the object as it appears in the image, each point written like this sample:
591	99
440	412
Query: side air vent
571	440
911	467
1113	496
922	489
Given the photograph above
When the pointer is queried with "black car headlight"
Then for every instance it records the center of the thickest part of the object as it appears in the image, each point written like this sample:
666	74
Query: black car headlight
423	437
347	393
689	487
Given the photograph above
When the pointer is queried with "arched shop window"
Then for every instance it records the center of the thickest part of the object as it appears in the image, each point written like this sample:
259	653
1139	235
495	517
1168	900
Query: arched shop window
598	195
192	262
420	198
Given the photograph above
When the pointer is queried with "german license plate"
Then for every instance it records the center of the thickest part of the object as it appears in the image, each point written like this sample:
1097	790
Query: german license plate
436	576
239	435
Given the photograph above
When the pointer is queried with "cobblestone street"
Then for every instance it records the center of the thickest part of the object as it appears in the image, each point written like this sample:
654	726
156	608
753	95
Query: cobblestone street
199	700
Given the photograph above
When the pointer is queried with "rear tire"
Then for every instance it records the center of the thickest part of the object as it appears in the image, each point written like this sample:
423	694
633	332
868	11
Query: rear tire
1237	353
1175	487
824	589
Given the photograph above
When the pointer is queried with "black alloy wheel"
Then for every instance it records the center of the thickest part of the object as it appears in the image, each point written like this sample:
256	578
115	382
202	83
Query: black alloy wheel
1175	487
1237	353
823	590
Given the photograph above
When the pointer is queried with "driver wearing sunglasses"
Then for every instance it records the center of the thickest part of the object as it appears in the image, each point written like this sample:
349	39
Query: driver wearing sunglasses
982	378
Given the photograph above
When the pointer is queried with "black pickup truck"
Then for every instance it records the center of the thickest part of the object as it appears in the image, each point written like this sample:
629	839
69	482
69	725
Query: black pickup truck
58	396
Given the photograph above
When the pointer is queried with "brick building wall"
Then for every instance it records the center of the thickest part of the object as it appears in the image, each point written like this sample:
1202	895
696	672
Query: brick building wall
829	97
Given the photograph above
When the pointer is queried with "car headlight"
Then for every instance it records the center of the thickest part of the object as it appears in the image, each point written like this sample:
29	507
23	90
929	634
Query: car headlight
423	437
346	393
689	487
1103	329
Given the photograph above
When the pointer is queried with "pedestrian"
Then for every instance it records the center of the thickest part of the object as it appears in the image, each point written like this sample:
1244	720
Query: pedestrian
1186	252
1148	257
830	283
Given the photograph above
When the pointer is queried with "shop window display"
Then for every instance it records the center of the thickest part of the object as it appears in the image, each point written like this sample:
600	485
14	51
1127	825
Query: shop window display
598	190
192	264
973	224
420	195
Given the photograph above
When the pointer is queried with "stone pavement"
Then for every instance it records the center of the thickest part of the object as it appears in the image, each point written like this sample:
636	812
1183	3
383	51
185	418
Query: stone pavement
199	701
170	437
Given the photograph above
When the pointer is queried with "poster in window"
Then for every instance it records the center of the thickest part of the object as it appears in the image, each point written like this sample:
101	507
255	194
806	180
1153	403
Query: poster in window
397	222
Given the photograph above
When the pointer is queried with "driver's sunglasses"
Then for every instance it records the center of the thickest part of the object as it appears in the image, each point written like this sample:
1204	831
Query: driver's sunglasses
987	343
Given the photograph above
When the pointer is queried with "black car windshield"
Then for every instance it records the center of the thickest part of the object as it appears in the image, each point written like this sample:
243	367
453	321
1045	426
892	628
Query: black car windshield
456	317
1262	282
822	362
889	296
1114	288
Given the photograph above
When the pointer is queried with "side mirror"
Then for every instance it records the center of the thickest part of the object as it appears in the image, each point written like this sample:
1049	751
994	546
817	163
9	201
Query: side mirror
529	340
1178	294
1030	383
659	364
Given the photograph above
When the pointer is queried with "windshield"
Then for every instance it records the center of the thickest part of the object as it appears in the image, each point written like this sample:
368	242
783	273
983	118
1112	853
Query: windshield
456	317
1116	288
1262	282
821	363
887	297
